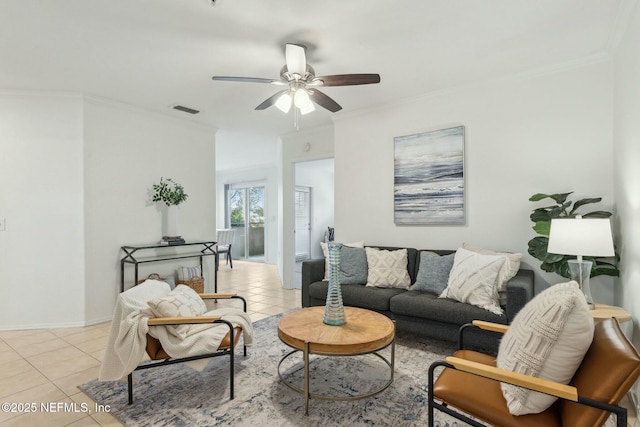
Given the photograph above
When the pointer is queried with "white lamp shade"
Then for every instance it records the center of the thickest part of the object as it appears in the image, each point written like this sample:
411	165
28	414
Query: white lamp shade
581	236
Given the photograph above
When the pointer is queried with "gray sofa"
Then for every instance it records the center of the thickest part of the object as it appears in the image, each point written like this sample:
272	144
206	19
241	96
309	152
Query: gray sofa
419	312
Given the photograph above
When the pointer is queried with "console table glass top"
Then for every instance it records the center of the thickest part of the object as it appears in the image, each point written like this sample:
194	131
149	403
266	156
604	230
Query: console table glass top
207	248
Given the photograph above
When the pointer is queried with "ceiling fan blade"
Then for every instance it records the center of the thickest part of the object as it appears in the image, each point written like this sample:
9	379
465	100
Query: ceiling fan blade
296	59
348	79
271	100
324	101
248	80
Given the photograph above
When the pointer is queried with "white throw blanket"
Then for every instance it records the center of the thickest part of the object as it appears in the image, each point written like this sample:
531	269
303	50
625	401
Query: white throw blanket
128	336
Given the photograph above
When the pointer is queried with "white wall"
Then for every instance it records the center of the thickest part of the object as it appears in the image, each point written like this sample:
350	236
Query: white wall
75	176
319	176
127	150
42	266
294	150
549	133
627	169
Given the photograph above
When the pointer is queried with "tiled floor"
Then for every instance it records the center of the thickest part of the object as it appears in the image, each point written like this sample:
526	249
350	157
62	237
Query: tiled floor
46	365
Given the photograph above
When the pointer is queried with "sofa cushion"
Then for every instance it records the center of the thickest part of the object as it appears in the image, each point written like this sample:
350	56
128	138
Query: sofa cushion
387	269
325	252
509	268
427	305
433	272
353	266
473	279
357	295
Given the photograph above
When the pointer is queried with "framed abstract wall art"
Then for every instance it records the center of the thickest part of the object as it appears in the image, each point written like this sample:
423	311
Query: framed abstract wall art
429	187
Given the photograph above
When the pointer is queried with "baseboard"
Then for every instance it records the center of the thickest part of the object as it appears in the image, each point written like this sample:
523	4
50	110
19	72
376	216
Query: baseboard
61	325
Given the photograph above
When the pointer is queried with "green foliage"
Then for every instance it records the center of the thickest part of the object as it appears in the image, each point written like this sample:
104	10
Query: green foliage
541	217
169	192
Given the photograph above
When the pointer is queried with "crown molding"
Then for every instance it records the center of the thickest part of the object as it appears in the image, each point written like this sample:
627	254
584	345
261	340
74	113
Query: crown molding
585	61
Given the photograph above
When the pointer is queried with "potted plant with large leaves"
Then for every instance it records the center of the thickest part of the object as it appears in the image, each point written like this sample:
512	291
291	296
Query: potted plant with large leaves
564	208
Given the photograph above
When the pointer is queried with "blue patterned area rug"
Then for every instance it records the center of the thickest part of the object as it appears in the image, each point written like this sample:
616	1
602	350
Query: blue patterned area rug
178	395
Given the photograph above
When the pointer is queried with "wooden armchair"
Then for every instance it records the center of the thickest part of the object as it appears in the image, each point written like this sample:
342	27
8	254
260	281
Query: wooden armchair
156	352
470	382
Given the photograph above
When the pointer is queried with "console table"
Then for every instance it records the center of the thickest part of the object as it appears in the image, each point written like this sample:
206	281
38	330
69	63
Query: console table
197	249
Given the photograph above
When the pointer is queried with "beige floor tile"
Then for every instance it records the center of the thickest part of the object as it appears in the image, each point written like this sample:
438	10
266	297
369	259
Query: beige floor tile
36	337
35	348
56	356
106	419
93	345
14	367
87	335
87	421
69	384
68	367
20	382
6	335
9	355
98	355
46	392
61	332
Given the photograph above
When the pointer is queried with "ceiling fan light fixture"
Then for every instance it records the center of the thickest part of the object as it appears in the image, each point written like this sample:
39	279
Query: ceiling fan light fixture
284	103
301	98
306	109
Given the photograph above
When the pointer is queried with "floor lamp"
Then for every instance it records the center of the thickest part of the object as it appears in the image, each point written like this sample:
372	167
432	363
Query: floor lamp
581	237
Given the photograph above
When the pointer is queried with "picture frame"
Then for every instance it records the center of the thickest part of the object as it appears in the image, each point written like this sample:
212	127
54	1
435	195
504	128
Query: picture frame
429	184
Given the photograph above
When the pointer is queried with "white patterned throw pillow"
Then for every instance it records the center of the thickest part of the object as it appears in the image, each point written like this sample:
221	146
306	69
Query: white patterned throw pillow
509	268
473	280
547	339
387	269
180	302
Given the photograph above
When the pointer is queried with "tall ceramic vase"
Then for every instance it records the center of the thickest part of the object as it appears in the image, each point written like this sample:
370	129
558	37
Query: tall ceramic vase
334	309
172	221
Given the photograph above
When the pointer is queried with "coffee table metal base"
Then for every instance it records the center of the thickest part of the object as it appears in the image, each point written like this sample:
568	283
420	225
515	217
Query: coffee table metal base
306	390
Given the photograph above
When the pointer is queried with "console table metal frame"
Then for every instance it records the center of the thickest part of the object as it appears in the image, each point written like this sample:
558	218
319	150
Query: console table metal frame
208	249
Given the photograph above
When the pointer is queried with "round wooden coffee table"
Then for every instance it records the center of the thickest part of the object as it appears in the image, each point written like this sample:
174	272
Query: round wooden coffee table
365	332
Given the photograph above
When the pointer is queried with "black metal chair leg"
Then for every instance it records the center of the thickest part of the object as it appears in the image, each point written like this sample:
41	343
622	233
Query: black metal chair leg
130	387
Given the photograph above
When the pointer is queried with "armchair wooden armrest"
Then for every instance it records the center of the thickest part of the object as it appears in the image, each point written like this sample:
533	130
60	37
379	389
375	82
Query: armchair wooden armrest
490	326
225	296
538	384
480	324
217	296
159	321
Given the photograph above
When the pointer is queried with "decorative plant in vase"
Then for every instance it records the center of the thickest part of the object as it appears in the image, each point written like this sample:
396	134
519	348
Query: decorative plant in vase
542	224
171	194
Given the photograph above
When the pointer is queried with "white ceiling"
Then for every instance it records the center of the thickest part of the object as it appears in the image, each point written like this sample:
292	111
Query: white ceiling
156	53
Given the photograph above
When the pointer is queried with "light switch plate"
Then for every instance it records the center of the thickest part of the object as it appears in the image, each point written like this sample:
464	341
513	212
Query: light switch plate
3	224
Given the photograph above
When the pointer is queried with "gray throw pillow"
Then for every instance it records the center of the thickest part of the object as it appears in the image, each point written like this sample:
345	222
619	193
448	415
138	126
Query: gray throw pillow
353	266
433	273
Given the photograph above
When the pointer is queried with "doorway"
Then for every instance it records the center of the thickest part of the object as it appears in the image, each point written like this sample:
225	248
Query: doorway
245	213
302	231
314	210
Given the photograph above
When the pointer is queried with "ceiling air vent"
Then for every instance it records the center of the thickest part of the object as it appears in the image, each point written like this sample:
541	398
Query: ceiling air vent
185	109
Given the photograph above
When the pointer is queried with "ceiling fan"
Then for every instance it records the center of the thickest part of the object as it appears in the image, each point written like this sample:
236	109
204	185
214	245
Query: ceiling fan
303	83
